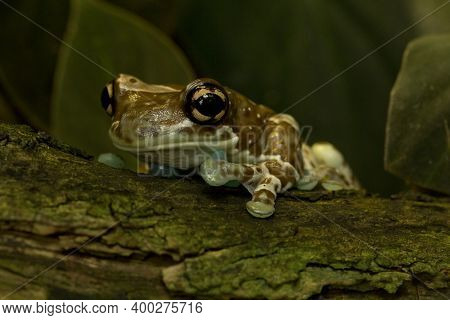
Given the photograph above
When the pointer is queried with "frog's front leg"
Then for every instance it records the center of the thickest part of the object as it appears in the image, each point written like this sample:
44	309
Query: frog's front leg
275	172
276	177
264	194
263	180
281	144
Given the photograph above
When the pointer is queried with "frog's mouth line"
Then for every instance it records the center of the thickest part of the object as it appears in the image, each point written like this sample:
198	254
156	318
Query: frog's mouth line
165	143
146	147
224	139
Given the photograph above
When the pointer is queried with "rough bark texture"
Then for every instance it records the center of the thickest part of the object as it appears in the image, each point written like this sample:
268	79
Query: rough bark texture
166	238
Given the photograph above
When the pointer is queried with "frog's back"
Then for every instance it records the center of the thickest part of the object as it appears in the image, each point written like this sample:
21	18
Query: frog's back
257	125
248	120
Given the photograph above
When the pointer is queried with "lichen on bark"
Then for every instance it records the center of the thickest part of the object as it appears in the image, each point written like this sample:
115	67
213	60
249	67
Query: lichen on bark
145	237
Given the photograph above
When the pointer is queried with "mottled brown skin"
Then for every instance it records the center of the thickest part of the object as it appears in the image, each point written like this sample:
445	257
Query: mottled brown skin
248	121
259	134
263	149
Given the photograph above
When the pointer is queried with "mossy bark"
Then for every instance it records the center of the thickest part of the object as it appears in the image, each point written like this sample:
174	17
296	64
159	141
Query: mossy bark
85	230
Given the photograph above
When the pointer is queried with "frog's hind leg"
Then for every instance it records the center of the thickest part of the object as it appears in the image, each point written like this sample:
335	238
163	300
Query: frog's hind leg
332	170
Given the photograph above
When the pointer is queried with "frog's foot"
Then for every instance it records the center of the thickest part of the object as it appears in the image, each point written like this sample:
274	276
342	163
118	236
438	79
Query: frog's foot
219	172
332	171
327	177
260	209
307	182
334	185
262	204
263	180
112	160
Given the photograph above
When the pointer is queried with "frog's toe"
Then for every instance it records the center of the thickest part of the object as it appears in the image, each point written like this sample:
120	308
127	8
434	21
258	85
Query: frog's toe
260	209
211	172
307	184
333	185
112	160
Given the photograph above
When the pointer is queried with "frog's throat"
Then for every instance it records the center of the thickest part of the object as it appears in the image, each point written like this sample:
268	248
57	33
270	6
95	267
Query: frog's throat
174	141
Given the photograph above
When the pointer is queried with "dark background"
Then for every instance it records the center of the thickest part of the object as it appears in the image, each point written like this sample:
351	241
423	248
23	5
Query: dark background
275	52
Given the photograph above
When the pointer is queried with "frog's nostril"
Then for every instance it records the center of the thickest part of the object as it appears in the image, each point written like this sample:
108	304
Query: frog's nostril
107	99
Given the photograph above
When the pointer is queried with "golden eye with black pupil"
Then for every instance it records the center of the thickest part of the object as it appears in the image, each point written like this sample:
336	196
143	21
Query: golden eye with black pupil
107	98
206	102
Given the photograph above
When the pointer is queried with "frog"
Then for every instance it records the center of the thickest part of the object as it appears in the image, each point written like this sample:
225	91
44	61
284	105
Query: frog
223	136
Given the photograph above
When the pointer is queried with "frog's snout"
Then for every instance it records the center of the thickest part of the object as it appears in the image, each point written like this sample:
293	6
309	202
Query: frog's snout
107	98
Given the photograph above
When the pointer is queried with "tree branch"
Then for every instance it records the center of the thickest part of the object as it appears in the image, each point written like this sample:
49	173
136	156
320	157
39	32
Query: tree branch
166	238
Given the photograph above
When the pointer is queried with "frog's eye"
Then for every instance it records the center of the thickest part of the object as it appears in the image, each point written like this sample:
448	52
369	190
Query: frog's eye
206	101
107	99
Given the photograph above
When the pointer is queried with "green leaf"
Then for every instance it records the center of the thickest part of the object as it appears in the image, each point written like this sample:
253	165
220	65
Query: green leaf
163	14
438	22
106	41
28	55
417	135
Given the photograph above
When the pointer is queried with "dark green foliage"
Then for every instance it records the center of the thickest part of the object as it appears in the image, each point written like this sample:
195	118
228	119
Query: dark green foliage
418	134
274	53
115	42
28	55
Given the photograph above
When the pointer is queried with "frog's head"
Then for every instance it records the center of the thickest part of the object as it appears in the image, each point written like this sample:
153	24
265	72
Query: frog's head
162	118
